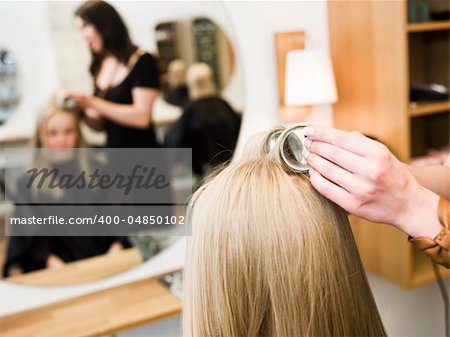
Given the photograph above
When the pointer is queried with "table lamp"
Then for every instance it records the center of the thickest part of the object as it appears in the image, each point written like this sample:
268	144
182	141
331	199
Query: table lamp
305	77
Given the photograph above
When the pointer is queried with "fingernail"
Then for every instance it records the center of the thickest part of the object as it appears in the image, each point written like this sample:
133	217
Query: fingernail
308	131
311	171
305	153
308	143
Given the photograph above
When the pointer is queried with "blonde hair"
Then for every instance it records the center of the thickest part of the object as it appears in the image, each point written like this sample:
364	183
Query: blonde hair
51	109
269	256
176	72
199	79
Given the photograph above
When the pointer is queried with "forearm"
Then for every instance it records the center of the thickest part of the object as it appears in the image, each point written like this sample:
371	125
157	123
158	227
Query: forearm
95	123
365	179
420	218
125	114
437	246
14	270
434	178
54	262
115	247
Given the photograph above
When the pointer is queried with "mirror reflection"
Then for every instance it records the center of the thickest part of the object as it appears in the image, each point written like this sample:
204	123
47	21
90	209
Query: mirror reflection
192	63
184	42
9	89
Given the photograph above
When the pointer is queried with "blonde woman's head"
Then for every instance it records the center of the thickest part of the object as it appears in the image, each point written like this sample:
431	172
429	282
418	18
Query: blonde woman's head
200	82
57	127
176	72
269	256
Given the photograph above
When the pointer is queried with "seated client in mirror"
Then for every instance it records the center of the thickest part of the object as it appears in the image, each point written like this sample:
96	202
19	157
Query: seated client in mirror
208	125
58	130
177	90
269	256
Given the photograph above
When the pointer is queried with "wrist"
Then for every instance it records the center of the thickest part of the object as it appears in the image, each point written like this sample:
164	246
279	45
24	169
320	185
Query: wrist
420	218
90	101
95	105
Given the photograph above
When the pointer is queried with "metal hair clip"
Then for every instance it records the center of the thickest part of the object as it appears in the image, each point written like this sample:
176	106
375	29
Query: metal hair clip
290	143
65	102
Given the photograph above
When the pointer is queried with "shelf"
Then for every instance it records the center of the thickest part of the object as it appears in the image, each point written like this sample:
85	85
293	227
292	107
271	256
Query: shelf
428	108
418	53
427	26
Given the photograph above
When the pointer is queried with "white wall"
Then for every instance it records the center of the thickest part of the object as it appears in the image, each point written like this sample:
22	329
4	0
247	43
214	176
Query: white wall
255	24
24	30
249	25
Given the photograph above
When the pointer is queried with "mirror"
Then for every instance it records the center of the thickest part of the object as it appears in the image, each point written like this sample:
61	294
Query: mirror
184	42
83	214
64	63
9	87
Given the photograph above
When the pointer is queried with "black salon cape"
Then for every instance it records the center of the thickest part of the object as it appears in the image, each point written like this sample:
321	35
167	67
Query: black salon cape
30	253
178	95
210	127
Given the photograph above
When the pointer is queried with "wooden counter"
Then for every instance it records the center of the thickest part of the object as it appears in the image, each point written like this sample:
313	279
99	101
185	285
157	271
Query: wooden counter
105	312
86	270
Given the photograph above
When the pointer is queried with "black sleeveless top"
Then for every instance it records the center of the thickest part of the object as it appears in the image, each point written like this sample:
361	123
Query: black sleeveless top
144	74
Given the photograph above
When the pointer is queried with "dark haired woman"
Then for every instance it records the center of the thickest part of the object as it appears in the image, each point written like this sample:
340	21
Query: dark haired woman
126	79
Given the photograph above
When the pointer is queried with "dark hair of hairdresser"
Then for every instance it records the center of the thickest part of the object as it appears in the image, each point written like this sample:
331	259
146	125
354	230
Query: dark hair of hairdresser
111	27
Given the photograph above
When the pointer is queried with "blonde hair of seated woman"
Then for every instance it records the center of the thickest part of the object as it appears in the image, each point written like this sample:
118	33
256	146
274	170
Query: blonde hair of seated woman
51	109
40	139
176	73
199	80
269	256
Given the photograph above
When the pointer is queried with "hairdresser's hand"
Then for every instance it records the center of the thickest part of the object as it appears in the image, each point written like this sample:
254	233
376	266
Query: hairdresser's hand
115	248
91	116
54	262
82	100
363	177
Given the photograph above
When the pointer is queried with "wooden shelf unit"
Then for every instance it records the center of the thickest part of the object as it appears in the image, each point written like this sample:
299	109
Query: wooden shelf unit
370	49
427	26
423	109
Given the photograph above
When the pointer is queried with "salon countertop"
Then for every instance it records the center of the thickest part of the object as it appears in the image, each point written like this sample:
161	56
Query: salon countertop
16	298
86	270
104	312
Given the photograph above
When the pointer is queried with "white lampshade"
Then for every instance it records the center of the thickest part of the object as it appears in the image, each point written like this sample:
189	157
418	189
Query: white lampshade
309	78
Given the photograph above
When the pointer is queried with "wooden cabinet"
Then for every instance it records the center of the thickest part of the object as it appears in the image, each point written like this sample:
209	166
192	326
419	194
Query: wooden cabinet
376	56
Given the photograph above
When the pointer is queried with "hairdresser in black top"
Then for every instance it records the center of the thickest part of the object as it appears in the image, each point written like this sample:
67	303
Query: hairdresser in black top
126	79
